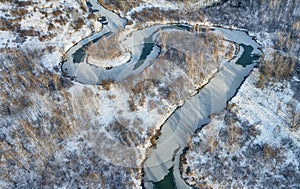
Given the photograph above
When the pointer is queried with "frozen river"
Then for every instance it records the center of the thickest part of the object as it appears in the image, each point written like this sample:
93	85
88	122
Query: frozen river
195	112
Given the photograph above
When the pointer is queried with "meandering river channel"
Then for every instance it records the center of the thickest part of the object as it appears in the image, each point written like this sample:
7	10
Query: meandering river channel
161	168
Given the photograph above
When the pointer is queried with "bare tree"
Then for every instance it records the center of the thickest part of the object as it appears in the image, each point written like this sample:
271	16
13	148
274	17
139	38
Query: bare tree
294	115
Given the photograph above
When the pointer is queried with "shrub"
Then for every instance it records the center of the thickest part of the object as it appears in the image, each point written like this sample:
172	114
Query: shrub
19	12
92	16
294	116
132	106
51	27
57	13
62	21
260	82
106	84
78	23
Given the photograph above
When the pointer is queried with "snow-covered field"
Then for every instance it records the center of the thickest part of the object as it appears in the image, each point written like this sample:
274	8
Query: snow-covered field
255	141
250	144
40	24
62	134
90	135
48	127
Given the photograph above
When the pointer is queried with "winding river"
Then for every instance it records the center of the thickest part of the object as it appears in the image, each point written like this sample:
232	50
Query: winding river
161	168
195	113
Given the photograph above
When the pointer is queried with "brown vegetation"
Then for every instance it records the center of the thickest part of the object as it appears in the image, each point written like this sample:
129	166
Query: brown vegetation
192	52
279	67
281	63
24	3
77	23
22	75
123	134
106	84
63	21
186	60
8	24
294	116
122	5
38	118
106	48
23	80
19	12
57	13
139	92
225	154
157	14
92	16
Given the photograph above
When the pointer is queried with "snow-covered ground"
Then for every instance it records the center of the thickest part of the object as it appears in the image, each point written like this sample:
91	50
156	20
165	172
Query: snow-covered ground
58	127
58	24
170	5
63	134
271	105
251	144
211	98
89	134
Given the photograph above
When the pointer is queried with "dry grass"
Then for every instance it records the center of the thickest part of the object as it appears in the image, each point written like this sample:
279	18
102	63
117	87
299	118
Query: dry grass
157	14
106	48
122	5
36	133
279	67
192	52
37	130
77	23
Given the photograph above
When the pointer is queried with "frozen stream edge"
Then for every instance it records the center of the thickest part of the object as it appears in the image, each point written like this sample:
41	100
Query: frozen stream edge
182	124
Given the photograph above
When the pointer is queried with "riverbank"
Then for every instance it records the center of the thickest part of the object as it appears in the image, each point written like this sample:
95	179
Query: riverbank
229	76
253	125
179	127
239	38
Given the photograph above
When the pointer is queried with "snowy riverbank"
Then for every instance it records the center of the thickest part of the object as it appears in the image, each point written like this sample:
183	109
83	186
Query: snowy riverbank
250	144
194	113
